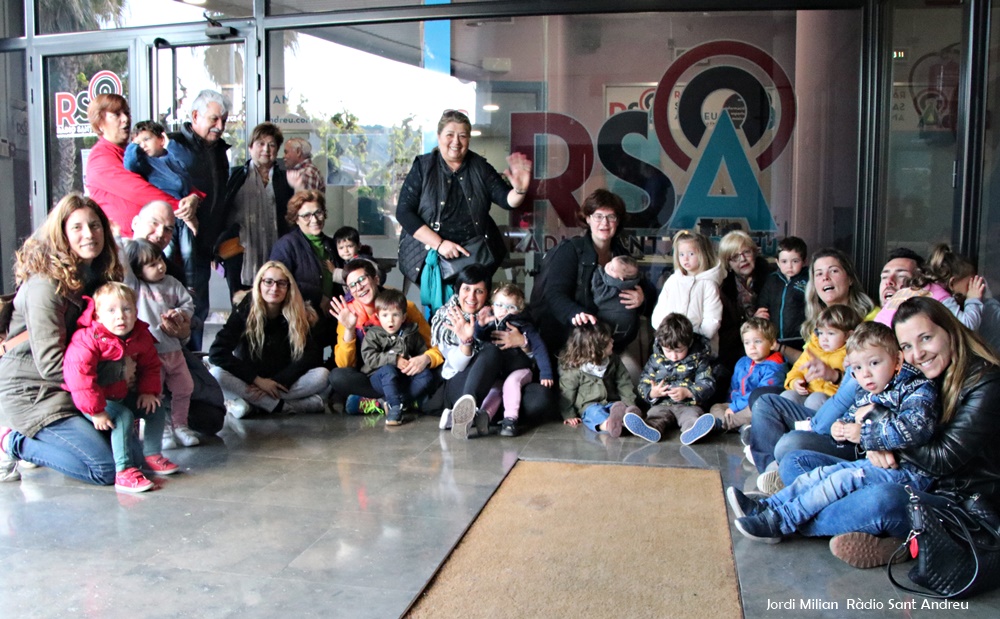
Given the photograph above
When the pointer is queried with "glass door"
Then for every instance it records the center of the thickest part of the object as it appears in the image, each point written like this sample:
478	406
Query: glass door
921	204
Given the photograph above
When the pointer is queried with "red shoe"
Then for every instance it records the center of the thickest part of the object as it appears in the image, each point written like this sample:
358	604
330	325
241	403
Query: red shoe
160	465
132	480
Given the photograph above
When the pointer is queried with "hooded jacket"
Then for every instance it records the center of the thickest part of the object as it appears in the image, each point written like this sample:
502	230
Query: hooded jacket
91	345
833	360
695	296
750	374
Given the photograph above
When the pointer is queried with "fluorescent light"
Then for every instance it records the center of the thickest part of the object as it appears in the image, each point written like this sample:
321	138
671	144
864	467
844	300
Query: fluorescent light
195	2
491	107
475	133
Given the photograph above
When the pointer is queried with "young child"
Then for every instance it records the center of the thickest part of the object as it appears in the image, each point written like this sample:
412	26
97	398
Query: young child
162	296
149	157
384	349
349	247
620	273
693	288
762	366
506	310
593	382
782	299
678	379
833	326
949	278
109	332
895	408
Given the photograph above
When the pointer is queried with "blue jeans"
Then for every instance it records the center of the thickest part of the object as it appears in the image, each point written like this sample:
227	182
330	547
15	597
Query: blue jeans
596	414
878	509
398	388
800	501
71	446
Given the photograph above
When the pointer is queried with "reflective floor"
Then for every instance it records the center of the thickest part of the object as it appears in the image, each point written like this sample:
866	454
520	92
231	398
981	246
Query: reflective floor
336	516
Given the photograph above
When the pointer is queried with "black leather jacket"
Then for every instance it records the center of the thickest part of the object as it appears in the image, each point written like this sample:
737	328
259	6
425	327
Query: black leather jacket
964	454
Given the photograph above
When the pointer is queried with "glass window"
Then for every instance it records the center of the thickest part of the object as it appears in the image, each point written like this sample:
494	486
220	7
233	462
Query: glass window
286	7
11	18
989	248
70	84
15	176
927	43
55	16
699	120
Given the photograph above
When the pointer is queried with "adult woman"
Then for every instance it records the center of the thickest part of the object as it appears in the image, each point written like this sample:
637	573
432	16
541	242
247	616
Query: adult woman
257	198
72	254
119	192
470	365
961	456
562	296
308	252
361	278
265	355
445	201
748	271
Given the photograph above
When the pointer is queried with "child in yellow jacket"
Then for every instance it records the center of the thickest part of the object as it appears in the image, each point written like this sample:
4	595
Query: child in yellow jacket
826	347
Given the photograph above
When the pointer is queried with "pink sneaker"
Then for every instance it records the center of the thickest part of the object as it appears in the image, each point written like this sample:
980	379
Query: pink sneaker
132	480
160	465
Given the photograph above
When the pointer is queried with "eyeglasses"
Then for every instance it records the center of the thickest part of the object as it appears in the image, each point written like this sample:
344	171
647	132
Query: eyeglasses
281	284
317	215
746	254
506	306
359	282
601	217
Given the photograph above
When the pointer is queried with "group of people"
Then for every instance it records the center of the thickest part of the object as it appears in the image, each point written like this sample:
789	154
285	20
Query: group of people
903	390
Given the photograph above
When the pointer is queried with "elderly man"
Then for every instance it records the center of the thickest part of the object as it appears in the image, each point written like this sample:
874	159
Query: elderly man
773	434
155	223
256	202
301	172
200	143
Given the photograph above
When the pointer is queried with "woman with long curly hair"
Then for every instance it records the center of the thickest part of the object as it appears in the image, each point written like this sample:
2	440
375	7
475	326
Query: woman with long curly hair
71	254
266	357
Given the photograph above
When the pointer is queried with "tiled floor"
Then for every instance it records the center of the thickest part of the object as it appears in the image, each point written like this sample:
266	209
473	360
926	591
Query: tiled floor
335	516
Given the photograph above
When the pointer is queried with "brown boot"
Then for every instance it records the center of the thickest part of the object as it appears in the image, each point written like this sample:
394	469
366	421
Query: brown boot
616	416
865	551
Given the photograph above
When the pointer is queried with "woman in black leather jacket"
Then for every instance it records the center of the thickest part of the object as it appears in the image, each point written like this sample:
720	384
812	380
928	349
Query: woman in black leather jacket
963	455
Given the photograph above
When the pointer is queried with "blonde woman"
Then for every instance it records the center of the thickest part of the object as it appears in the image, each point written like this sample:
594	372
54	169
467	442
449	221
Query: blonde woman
72	254
747	272
265	357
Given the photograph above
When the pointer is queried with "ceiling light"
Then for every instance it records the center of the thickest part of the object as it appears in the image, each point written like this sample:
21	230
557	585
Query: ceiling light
491	107
475	133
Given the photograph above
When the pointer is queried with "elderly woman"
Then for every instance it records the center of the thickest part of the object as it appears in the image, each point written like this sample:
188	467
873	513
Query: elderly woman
445	201
563	294
72	254
961	456
266	357
257	198
120	193
308	252
748	271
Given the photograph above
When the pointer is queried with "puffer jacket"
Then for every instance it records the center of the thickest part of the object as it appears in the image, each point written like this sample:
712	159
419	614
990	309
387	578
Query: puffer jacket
833	360
695	371
750	374
91	345
694	296
579	389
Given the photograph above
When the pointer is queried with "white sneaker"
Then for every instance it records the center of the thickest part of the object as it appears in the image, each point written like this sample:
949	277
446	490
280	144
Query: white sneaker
168	442
8	463
749	456
770	482
463	416
186	436
238	408
445	423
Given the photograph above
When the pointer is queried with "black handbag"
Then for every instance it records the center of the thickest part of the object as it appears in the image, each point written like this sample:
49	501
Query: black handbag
479	253
956	543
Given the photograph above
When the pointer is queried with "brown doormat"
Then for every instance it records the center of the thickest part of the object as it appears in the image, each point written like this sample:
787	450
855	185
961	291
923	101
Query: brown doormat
593	540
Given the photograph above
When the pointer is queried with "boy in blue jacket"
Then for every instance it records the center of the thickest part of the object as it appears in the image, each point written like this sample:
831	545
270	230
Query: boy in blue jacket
762	366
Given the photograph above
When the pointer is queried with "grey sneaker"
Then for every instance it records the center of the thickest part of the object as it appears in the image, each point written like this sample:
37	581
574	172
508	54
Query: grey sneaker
463	414
308	405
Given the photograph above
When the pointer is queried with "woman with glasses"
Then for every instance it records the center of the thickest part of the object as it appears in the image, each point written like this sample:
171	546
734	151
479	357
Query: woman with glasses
563	293
361	278
266	357
748	271
444	204
257	198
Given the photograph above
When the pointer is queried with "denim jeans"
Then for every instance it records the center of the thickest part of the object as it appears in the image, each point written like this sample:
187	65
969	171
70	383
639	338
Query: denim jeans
398	388
596	414
774	416
878	509
805	497
71	446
